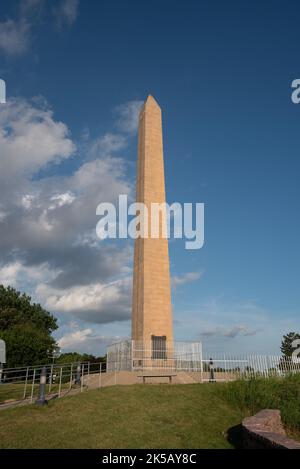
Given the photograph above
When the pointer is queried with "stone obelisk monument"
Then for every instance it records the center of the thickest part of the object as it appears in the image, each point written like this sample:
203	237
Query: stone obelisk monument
151	305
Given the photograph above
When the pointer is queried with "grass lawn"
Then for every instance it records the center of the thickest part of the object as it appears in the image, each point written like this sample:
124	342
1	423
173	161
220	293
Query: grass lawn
139	416
15	391
11	391
151	416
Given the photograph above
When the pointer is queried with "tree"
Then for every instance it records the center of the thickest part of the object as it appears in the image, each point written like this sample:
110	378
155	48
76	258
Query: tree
26	328
72	357
286	345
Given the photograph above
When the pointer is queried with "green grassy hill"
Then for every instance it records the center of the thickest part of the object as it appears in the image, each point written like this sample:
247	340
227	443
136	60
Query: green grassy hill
139	416
151	416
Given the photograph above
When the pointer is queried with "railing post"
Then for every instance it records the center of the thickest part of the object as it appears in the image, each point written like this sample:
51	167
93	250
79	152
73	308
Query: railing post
60	378
42	394
71	376
78	371
26	380
82	377
100	377
32	387
201	363
50	378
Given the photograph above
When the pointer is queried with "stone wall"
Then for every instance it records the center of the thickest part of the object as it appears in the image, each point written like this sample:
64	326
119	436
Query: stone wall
265	431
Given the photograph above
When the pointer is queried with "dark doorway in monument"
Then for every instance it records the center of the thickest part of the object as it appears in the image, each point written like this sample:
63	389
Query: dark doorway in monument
159	347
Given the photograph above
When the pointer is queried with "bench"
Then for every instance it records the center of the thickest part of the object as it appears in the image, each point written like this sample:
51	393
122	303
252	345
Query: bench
157	375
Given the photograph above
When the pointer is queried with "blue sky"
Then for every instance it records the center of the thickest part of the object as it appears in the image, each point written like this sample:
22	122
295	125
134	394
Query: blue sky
76	73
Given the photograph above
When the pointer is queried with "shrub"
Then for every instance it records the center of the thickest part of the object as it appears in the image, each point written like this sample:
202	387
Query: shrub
254	395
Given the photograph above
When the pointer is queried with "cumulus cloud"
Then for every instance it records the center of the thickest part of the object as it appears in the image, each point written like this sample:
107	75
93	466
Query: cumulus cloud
30	138
74	338
25	278
98	303
48	243
85	340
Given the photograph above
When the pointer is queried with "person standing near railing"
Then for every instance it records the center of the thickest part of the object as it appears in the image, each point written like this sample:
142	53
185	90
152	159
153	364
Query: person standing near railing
211	371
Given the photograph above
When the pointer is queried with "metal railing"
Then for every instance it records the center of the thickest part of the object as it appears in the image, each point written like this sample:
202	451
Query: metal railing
162	356
134	355
21	385
228	368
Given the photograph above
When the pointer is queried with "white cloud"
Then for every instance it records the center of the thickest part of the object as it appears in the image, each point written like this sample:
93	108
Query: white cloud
86	340
128	116
21	276
230	332
107	144
227	325
3	214
96	303
74	338
30	138
9	273
14	37
15	34
48	244
189	277
27	201
60	200
66	12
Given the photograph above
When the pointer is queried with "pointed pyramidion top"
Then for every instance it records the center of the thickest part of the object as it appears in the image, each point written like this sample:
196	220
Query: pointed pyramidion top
151	102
